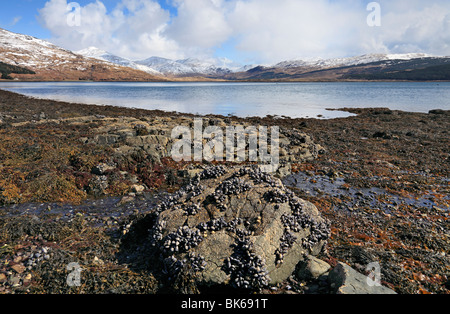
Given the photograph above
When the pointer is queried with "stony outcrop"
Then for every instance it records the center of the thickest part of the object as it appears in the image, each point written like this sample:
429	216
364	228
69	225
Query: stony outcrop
345	280
152	136
237	226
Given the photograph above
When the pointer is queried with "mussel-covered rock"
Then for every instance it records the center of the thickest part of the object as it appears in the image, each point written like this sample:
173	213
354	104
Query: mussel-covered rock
236	226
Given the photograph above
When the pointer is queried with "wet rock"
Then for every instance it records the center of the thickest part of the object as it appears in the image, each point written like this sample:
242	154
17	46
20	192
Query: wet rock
148	140
382	134
284	171
41	116
14	281
189	173
102	169
138	188
312	268
345	280
106	139
242	239
141	130
98	185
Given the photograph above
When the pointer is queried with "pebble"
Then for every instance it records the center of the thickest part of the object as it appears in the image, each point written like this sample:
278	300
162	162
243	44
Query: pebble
19	268
14	281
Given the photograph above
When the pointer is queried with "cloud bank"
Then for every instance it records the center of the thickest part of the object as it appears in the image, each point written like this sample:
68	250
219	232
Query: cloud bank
264	31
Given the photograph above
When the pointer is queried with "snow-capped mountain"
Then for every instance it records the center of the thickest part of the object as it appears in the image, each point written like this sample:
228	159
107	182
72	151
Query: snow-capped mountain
158	65
51	62
99	54
340	62
185	67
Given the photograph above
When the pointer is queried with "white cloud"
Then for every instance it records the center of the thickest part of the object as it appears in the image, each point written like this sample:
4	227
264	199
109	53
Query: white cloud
200	24
286	29
134	28
15	20
421	28
268	30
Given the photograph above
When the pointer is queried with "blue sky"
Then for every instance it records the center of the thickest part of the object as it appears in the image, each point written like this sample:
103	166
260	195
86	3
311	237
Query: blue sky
236	31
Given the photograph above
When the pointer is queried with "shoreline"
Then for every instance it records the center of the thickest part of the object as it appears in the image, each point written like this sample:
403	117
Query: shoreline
373	166
207	80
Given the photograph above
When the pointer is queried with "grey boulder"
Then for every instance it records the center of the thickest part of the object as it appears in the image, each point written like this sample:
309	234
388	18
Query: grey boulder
345	280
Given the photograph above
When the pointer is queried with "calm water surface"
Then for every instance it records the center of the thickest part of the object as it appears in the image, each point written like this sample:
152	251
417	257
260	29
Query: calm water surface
247	99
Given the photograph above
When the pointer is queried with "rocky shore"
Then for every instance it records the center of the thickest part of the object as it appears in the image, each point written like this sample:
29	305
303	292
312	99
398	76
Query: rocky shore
95	186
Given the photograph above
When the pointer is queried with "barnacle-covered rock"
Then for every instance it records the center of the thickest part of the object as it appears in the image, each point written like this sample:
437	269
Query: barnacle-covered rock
236	226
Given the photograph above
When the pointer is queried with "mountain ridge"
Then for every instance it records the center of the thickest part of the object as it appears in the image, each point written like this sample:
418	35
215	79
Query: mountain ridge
50	62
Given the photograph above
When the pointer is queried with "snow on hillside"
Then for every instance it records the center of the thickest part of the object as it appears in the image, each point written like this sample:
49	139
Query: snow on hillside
189	66
338	62
96	53
28	51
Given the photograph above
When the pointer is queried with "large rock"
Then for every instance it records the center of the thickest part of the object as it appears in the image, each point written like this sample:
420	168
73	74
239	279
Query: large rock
345	280
240	227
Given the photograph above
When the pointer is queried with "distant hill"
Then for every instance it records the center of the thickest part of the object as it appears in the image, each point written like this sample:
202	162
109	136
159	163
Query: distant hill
52	63
417	68
431	73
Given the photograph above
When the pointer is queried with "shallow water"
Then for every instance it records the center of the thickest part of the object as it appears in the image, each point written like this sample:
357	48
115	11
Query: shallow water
319	186
247	99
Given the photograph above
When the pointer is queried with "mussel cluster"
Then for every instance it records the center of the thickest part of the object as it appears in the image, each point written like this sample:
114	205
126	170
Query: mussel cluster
213	172
193	188
287	241
193	262
258	176
192	210
213	225
319	231
276	196
169	201
156	233
172	267
246	269
219	224
197	262
233	186
298	221
182	240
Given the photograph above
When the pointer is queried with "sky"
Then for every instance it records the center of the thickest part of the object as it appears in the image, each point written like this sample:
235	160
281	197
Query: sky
232	32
